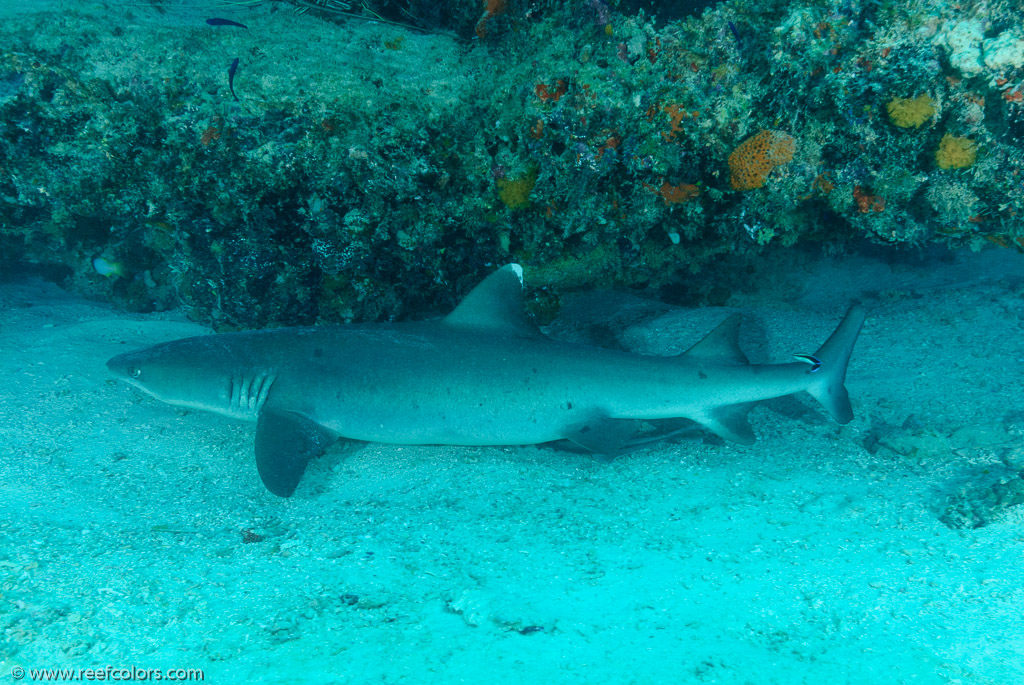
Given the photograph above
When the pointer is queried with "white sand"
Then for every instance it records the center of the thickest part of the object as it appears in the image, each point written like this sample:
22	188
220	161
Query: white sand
815	556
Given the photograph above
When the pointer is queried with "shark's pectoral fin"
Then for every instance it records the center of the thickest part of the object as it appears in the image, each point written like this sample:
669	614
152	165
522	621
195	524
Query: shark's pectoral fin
285	442
729	422
605	438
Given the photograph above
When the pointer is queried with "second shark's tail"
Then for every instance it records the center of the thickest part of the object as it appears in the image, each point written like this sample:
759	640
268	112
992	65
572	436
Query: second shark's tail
834	356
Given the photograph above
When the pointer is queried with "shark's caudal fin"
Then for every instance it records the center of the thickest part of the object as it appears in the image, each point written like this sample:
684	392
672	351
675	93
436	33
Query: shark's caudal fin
721	346
834	356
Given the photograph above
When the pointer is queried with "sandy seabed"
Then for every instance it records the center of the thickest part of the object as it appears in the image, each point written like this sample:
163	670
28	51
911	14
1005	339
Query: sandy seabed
890	550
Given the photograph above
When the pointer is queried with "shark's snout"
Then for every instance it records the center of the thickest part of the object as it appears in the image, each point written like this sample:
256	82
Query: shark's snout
119	365
128	366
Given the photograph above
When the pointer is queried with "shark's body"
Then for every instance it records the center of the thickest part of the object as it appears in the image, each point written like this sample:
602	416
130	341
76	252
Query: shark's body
484	375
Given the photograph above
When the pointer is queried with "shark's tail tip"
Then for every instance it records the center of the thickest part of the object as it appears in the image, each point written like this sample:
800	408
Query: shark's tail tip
834	355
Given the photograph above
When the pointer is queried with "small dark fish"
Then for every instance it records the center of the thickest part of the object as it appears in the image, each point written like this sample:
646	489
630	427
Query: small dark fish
224	22
231	77
736	34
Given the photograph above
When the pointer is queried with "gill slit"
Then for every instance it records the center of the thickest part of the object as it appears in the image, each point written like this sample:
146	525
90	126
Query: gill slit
248	393
266	381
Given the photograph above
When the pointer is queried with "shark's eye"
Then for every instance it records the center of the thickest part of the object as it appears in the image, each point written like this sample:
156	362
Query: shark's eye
135	372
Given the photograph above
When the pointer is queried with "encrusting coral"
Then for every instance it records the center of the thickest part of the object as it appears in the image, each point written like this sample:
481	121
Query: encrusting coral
910	112
955	152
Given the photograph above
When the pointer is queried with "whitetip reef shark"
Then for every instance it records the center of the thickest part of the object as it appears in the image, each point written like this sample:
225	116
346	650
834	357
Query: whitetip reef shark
483	375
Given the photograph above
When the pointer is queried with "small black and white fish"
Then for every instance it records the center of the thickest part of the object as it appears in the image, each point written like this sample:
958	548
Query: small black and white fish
809	359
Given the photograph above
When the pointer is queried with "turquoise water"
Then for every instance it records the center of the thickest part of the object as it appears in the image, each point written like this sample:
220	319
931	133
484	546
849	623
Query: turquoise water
349	170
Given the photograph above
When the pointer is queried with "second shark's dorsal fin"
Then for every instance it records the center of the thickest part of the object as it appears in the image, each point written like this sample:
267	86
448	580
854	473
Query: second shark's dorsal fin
722	345
495	306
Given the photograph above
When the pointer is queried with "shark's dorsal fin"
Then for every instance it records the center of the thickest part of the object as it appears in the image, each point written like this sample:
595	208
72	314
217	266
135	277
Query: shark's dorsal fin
495	306
722	345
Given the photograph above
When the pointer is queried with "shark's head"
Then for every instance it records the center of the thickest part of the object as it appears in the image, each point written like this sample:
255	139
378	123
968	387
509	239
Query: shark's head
198	373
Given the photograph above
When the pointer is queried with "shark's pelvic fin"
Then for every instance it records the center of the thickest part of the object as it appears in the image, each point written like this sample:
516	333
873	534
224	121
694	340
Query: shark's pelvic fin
285	442
834	356
496	306
604	437
722	345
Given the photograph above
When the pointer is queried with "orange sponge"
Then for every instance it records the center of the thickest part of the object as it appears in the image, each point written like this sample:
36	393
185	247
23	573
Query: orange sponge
754	158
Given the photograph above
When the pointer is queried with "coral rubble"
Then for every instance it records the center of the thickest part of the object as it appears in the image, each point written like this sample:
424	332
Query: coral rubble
368	170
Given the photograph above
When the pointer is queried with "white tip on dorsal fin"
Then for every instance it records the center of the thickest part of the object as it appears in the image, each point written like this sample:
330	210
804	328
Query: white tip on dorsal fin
722	345
495	306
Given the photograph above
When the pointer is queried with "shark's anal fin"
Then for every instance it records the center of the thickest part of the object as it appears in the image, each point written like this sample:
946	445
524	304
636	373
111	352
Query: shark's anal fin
722	346
730	422
285	442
